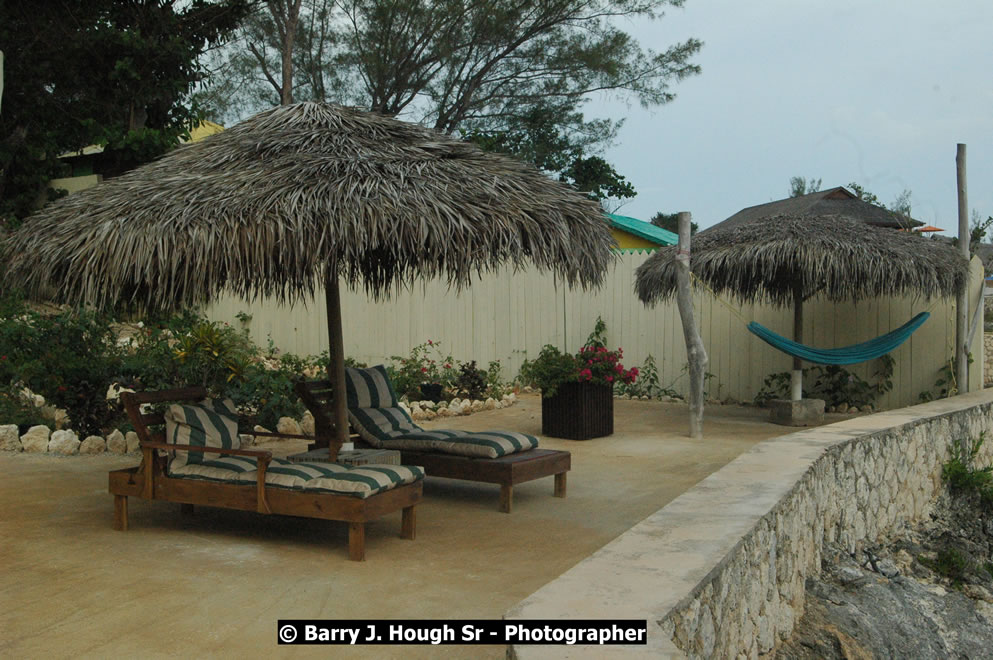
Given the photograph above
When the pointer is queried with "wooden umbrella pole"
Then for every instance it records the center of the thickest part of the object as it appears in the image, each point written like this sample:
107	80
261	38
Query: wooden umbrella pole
796	381
336	366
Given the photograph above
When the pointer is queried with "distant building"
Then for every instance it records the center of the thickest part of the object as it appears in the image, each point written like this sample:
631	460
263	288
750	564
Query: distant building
86	163
832	202
634	234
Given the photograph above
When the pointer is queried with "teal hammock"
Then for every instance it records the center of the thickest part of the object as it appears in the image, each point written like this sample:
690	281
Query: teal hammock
847	354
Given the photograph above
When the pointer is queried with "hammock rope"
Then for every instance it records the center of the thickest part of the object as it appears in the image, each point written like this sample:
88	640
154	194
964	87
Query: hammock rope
853	354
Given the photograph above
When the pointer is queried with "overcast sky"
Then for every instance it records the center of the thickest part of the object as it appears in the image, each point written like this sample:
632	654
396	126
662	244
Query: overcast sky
873	91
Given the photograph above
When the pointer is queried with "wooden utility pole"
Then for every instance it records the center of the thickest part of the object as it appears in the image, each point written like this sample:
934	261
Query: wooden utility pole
962	301
695	352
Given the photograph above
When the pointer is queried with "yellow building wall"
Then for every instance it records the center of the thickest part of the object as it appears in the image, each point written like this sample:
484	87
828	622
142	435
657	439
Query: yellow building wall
626	241
204	129
72	184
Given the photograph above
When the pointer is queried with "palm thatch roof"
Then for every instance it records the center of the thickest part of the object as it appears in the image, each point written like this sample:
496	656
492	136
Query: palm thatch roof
269	206
836	202
778	257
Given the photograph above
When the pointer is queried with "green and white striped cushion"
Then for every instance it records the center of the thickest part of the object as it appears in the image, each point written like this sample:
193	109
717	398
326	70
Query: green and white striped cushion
392	428
369	388
359	481
479	444
210	423
377	425
375	415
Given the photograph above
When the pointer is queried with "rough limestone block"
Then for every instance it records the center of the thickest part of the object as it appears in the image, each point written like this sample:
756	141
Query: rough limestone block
805	412
93	444
36	439
132	441
307	424
116	444
63	442
9	438
289	426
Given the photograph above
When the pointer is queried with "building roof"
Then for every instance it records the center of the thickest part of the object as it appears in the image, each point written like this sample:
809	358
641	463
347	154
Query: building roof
837	202
642	229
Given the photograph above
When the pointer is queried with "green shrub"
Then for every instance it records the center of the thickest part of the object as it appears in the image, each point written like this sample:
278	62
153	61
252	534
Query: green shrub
495	385
69	358
471	381
425	364
961	475
833	383
14	410
949	563
550	369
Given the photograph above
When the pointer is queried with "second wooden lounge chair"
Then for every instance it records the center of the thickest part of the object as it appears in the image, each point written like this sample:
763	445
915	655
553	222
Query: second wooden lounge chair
202	464
506	458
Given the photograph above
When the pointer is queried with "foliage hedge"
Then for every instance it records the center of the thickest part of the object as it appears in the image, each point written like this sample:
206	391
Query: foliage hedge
72	358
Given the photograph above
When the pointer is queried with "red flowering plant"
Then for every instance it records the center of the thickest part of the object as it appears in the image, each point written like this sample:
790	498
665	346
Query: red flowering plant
426	365
594	363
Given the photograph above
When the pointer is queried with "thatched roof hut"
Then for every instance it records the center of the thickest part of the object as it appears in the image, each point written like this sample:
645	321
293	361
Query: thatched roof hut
269	205
778	257
833	202
787	259
299	196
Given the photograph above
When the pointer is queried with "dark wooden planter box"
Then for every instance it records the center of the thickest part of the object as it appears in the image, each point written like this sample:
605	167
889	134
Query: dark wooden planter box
578	411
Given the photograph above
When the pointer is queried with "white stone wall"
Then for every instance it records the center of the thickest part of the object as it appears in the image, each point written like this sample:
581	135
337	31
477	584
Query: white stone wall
720	571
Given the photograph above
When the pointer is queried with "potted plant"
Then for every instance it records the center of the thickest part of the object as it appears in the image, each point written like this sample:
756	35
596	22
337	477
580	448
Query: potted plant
577	391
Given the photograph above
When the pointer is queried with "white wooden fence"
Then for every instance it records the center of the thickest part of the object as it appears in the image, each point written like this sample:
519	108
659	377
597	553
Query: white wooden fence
509	315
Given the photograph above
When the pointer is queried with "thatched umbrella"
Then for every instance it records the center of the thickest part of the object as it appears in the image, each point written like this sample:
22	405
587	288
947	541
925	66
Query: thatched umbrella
299	196
787	259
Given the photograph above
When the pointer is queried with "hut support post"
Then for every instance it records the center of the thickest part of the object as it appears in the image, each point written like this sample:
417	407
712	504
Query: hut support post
962	301
695	351
336	366
796	380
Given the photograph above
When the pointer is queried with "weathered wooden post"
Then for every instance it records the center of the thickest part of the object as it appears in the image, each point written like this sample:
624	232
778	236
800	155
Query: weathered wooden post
962	300
695	351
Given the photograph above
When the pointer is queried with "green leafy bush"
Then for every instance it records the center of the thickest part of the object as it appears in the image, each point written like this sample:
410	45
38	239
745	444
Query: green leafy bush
425	365
495	385
69	358
961	474
471	381
594	363
833	383
14	410
648	383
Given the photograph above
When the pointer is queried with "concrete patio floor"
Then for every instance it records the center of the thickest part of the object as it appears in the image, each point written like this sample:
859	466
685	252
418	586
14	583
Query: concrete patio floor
214	583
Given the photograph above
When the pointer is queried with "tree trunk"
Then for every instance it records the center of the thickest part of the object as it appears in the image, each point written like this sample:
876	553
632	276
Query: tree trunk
286	16
962	301
695	351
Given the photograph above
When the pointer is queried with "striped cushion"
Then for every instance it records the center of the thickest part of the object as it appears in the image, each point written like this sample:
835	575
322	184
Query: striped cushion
360	481
210	423
377	425
480	444
375	415
369	388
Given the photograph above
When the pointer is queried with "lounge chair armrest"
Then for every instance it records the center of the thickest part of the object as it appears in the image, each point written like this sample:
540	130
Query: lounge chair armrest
213	450
270	434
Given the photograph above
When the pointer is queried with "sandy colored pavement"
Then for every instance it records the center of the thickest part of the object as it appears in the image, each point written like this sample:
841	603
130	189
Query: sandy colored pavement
214	583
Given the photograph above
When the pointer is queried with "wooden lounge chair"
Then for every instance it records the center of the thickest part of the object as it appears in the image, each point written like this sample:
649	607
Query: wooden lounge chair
252	480
499	457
